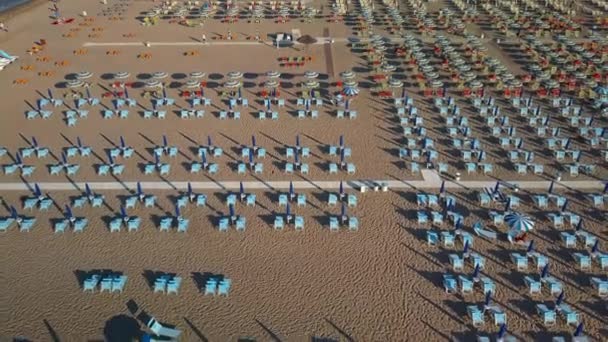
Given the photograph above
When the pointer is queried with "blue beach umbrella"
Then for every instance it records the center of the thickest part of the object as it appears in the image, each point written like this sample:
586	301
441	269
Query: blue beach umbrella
519	222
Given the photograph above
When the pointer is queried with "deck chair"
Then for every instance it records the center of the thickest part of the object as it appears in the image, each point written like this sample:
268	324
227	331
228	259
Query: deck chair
353	223
448	239
600	285
173	285
299	223
224	287
583	261
279	223
90	284
160	330
333	223
533	285
520	261
449	283
456	262
476	315
571	316
118	283
241	224
548	316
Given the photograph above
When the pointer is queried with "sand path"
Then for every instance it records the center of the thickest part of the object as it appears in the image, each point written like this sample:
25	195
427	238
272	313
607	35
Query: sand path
431	180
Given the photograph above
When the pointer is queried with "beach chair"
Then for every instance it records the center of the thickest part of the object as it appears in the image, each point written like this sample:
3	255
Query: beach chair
533	285
555	286
500	317
160	284
90	284
182	224
422	217
223	224
80	224
600	285
331	200
165	223
258	168
213	168
304	169
106	284
587	238
241	168
250	200
160	330
456	262
333	168
476	315
27	224
115	225
520	261
231	200
279	223
60	226
449	283
118	283
557	220
333	223
583	261
547	316
299	223
540	260
5	223
224	287
211	287
568	239
353	223
497	218
465	284
173	285
477	260
301	200
448	239
432	238
437	217
488	285
261	153
45	204
571	316
241	224
350	168
597	200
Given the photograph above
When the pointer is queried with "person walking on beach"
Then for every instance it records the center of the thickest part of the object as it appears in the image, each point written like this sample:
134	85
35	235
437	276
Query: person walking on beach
204	39
3	27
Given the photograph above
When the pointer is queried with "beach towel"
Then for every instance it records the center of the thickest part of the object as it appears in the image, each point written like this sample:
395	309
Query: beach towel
61	22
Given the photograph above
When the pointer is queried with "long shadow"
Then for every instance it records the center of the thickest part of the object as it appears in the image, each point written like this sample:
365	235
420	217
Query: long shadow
196	331
342	332
444	311
52	331
269	332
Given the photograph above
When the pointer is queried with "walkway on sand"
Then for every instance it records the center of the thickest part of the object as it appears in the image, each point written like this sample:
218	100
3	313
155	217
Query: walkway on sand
431	181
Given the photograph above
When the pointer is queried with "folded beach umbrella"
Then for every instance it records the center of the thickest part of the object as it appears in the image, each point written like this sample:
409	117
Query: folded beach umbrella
311	74
235	75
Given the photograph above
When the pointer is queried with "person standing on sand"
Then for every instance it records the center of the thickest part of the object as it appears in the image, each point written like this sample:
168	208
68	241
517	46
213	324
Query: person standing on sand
3	27
204	39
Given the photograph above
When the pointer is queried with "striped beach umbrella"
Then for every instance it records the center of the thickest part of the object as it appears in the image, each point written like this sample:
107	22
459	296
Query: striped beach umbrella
518	221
